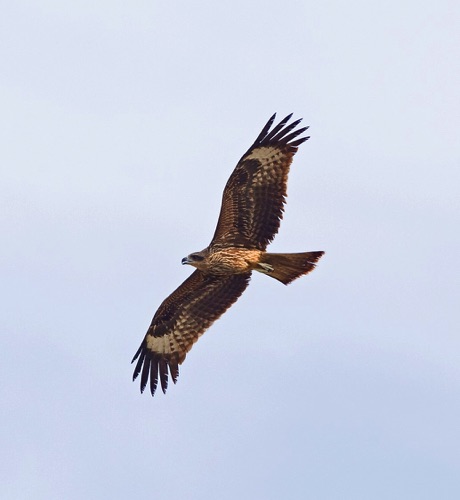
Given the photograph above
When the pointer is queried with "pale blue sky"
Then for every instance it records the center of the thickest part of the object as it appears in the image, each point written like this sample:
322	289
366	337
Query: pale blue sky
120	124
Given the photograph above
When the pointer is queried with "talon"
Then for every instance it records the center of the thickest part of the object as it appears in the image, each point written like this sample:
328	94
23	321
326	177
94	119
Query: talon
266	267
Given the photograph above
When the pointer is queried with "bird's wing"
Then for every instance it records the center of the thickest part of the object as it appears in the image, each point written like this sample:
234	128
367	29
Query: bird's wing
182	317
253	199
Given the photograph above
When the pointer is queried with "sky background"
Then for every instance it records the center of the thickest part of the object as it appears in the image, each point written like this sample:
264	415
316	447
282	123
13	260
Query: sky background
120	124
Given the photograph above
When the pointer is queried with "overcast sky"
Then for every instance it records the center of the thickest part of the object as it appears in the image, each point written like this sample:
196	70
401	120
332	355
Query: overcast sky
120	124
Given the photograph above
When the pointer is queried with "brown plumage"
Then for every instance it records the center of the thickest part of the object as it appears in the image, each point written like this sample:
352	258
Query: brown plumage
251	212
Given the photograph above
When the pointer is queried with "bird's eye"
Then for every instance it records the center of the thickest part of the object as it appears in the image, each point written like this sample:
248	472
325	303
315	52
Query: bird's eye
197	257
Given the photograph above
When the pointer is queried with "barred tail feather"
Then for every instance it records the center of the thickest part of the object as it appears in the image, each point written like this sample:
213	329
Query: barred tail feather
286	267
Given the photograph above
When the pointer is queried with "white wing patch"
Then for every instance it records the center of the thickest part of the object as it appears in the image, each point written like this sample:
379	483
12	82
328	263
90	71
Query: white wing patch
263	154
178	341
268	158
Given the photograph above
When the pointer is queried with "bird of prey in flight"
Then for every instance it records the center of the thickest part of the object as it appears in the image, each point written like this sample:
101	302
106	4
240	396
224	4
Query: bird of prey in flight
250	215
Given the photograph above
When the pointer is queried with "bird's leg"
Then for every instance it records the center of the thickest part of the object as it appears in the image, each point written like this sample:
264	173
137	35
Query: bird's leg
266	267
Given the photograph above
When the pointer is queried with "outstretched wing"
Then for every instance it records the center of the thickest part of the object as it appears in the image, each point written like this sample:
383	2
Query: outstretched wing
253	199
182	317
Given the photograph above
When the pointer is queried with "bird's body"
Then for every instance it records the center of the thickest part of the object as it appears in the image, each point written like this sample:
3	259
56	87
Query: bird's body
252	208
237	260
225	261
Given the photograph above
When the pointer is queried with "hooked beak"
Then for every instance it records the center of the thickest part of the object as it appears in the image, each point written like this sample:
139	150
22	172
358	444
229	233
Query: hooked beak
186	260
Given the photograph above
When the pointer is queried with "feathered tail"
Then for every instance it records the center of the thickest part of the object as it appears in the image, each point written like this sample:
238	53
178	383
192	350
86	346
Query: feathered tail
286	267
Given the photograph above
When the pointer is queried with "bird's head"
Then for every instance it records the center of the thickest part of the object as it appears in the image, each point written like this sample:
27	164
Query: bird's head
195	259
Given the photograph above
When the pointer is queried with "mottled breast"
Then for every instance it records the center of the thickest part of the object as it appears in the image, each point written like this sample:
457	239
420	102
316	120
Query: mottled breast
233	260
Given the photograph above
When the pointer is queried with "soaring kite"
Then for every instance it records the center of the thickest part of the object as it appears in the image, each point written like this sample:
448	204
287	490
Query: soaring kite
251	212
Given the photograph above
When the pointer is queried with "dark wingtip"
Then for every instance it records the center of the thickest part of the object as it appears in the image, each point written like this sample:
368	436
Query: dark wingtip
153	377
153	369
141	355
265	130
282	134
298	142
145	373
174	369
137	353
163	369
